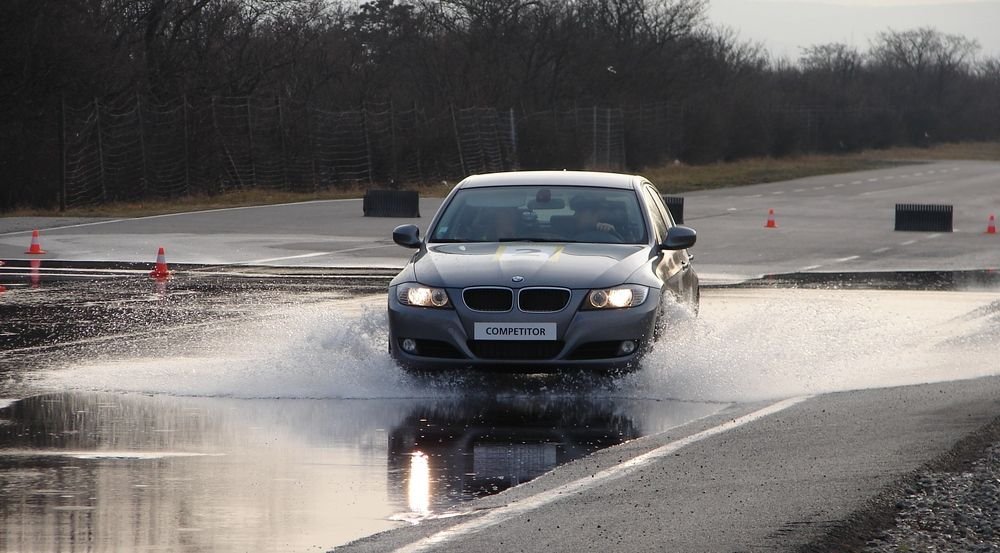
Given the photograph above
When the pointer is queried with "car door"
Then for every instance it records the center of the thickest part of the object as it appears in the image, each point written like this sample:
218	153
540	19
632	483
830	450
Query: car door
673	266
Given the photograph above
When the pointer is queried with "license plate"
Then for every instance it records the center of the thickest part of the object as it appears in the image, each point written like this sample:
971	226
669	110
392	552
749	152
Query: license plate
515	331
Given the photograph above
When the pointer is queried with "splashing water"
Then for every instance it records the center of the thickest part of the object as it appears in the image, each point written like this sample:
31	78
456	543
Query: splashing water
759	344
746	345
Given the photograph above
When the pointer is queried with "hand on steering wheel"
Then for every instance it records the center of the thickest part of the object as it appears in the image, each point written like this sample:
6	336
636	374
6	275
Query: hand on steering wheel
610	229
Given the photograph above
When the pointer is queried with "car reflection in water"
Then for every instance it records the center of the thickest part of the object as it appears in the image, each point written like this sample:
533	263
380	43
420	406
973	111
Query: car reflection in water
446	453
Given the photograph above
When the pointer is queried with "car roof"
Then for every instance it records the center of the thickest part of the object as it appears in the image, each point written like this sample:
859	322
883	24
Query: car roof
552	178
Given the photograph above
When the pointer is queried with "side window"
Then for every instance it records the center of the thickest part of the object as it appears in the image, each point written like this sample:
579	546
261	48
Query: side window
658	200
659	223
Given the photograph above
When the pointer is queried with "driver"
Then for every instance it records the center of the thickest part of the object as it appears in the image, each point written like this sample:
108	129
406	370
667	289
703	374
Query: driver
591	214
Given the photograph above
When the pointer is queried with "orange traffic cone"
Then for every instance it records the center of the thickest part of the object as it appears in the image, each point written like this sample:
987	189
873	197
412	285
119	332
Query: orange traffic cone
991	227
161	270
35	248
770	219
36	273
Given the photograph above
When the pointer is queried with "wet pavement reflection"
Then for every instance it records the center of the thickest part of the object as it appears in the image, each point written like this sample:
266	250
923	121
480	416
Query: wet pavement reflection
237	409
86	471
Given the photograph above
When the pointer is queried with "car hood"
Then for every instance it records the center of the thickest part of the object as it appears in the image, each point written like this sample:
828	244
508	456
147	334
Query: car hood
491	264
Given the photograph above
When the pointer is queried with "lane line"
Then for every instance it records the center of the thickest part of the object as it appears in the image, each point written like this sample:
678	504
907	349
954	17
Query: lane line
839	185
881	250
850	258
777	192
809	268
799	190
268	260
314	254
502	514
818	187
148	217
908	243
872	180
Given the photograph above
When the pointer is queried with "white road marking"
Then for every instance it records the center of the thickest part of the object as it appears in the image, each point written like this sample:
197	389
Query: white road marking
148	217
507	512
931	172
78	270
777	192
918	174
872	180
818	187
731	209
809	268
755	196
799	190
850	258
839	185
269	259
881	250
890	177
935	235
908	243
314	254
855	182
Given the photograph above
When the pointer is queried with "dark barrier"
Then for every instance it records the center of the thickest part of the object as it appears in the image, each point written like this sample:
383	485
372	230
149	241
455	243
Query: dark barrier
924	217
391	203
676	206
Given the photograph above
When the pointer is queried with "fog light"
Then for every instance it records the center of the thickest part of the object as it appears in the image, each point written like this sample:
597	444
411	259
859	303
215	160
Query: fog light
409	345
626	348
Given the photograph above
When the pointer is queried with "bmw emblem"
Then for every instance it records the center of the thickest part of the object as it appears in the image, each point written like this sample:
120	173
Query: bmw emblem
518	278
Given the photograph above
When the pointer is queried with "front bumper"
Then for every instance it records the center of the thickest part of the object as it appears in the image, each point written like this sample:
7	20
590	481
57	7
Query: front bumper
584	339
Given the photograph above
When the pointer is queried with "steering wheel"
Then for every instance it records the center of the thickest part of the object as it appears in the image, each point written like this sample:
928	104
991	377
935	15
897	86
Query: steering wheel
600	236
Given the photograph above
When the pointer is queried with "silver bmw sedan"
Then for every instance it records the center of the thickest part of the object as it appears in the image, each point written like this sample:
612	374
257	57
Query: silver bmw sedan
540	271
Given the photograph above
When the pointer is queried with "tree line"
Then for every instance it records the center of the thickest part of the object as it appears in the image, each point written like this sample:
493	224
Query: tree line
916	86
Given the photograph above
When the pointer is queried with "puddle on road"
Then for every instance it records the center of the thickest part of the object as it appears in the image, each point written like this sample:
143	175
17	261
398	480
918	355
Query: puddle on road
123	472
234	414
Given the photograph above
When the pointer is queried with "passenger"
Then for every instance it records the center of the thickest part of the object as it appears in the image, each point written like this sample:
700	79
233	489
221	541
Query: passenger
497	224
506	221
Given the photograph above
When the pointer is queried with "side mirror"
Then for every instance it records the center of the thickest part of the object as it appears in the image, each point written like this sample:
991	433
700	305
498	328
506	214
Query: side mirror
679	238
407	236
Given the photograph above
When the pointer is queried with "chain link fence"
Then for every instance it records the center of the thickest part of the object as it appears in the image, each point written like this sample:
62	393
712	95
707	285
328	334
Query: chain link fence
136	148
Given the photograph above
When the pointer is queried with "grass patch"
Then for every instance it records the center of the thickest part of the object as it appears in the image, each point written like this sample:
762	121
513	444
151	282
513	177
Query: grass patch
670	179
682	178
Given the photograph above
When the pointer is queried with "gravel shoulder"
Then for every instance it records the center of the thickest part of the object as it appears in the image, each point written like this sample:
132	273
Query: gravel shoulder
952	504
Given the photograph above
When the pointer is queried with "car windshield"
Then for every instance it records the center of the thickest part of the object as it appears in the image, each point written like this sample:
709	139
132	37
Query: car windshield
542	214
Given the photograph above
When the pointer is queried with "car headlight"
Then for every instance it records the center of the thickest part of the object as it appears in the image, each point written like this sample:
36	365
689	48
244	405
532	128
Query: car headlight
418	295
628	295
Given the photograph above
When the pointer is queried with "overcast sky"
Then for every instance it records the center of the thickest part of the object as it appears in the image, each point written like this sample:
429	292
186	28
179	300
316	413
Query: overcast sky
784	26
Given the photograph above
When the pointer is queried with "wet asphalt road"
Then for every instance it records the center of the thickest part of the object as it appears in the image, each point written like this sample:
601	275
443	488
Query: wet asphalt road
120	430
243	408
